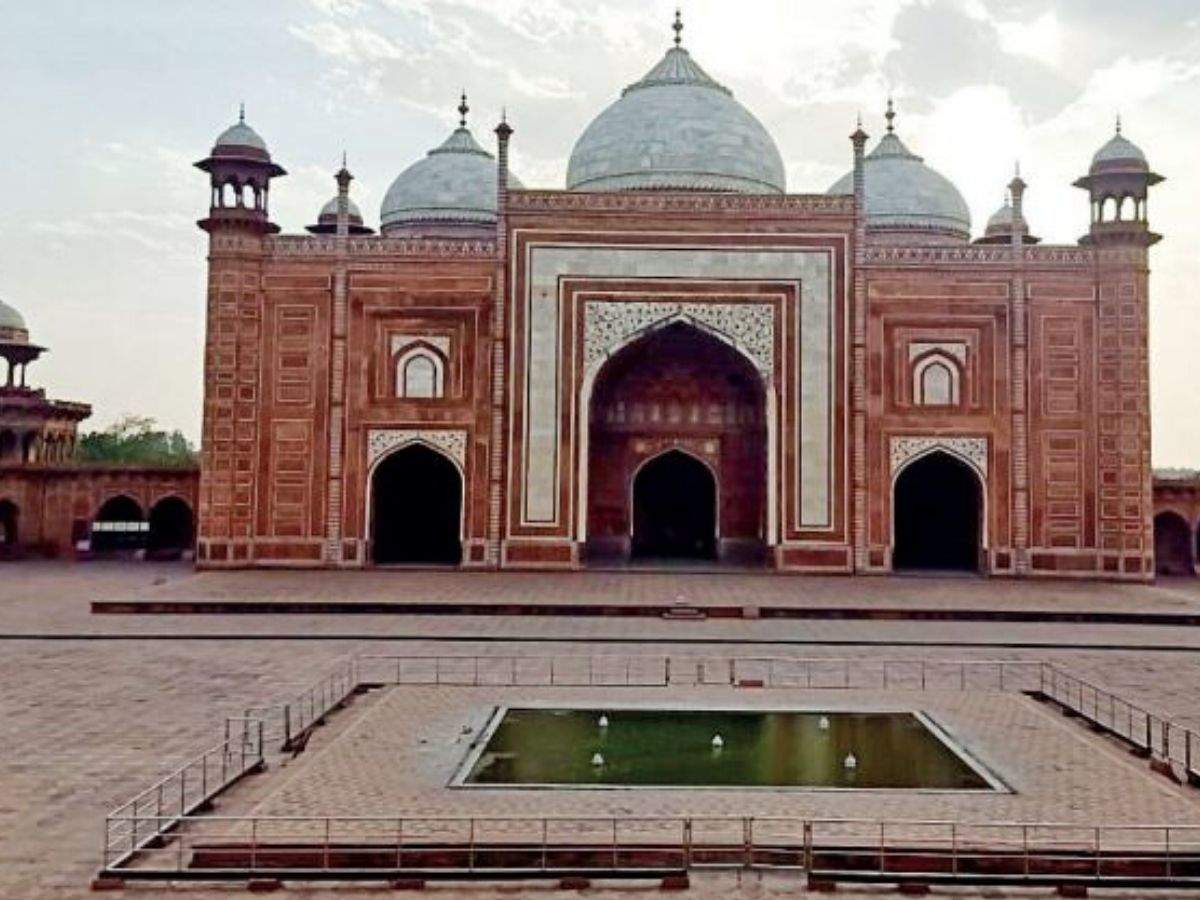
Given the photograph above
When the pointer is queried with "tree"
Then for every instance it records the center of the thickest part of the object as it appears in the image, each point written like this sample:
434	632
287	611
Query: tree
136	440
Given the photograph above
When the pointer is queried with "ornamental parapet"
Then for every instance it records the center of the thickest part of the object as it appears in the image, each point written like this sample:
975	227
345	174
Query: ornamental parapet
1064	256
374	246
667	202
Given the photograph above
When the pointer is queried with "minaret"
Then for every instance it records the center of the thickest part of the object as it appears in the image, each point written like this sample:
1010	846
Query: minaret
240	170
1118	184
858	399
238	225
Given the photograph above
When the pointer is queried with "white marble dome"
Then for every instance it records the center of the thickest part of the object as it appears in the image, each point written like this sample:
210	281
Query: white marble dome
1121	151
905	196
12	325
331	209
676	129
454	184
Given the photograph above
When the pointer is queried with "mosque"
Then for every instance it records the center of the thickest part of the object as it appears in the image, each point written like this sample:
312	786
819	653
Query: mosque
674	358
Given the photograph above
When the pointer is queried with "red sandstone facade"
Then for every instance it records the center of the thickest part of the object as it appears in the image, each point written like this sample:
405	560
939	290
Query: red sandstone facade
676	358
1049	401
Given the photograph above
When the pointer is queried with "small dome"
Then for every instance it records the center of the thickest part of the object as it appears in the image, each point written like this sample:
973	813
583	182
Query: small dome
12	325
327	218
1002	219
676	129
331	209
904	195
1120	152
238	138
454	184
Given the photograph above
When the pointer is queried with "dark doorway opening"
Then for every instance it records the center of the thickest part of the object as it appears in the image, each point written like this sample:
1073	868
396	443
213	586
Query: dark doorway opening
938	515
416	509
674	509
119	526
1172	545
8	525
171	529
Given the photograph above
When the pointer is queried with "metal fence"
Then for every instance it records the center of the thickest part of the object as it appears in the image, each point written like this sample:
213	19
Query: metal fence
291	720
347	848
140	824
161	829
690	671
1157	736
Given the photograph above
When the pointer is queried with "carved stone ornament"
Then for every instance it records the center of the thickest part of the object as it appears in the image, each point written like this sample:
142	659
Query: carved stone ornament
609	325
381	442
972	449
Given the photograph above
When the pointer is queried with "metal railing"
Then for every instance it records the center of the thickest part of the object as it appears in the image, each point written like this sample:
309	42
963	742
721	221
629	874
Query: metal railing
683	670
1154	734
216	848
141	822
289	721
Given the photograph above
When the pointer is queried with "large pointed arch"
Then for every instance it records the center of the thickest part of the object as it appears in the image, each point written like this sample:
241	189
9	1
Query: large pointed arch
416	505
760	360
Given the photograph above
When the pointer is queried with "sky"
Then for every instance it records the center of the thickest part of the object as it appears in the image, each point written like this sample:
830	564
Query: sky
110	103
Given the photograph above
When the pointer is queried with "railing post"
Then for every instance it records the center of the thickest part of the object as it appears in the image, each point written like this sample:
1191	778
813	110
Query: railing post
687	843
614	843
882	846
954	848
808	846
287	724
732	671
182	794
545	838
748	840
666	671
471	846
1025	847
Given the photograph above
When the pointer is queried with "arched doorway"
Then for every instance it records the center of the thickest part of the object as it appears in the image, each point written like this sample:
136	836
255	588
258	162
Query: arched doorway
9	515
416	508
1172	545
172	528
937	515
119	525
674	509
678	388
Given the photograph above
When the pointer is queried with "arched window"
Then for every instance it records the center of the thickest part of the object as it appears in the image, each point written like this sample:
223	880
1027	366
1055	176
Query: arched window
935	381
419	374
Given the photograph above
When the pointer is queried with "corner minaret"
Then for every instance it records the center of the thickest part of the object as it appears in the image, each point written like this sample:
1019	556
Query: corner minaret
240	170
1118	184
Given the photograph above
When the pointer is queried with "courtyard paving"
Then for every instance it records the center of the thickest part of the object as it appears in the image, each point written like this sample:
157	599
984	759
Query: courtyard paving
94	709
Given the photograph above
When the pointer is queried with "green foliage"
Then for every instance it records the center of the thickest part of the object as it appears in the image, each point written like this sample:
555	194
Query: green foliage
135	440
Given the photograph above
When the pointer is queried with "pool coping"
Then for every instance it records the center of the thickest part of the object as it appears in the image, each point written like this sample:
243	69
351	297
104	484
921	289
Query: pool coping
997	786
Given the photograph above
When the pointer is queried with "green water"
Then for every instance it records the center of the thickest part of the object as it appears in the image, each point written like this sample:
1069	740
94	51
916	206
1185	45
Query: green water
673	748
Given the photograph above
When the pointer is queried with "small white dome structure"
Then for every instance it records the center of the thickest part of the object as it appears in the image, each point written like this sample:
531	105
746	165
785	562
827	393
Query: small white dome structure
676	129
12	325
906	198
452	191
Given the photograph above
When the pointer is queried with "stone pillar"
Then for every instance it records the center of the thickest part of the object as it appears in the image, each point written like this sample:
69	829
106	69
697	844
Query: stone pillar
858	388
1019	357
495	531
335	486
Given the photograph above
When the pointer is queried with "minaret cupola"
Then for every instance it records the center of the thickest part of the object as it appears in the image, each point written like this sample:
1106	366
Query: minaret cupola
1118	184
241	170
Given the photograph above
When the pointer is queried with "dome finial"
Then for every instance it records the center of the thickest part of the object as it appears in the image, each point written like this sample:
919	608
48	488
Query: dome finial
1118	123
463	109
890	115
677	26
242	112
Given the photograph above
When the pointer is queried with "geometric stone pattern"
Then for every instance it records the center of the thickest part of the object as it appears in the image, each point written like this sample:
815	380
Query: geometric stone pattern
973	449
453	443
750	326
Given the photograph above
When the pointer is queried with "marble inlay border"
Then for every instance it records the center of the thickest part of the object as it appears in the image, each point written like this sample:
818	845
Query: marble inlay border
382	441
973	449
609	324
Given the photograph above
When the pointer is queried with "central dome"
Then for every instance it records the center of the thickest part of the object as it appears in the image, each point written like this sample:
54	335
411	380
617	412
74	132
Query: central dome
676	129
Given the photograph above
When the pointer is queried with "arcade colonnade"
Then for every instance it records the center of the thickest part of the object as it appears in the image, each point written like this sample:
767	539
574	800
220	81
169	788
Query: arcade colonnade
94	511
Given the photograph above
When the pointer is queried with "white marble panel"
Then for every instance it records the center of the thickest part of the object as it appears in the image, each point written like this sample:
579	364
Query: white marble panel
544	392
